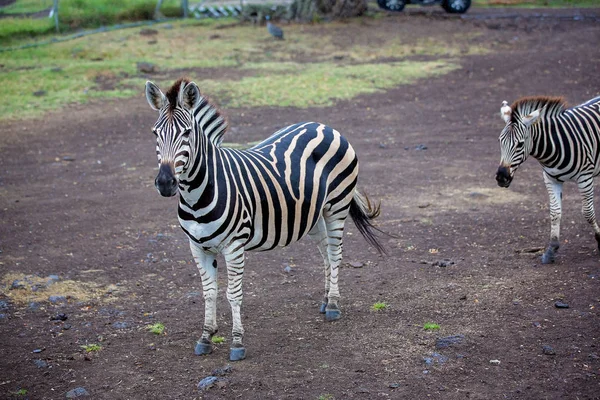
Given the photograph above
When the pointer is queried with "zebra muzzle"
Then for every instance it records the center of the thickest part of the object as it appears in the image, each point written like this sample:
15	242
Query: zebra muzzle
503	177
165	181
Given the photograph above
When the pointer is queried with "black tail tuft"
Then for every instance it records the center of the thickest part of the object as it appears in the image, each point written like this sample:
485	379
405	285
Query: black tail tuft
362	212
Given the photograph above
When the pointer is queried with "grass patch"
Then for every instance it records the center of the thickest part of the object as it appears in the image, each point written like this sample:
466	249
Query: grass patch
41	79
380	305
36	289
217	339
157	328
431	326
21	392
91	348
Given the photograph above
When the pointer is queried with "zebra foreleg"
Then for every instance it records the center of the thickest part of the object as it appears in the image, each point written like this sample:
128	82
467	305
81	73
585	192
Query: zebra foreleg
319	234
207	265
586	188
234	257
555	193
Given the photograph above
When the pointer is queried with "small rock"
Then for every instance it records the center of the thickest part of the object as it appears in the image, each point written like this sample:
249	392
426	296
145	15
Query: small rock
207	382
57	299
435	357
66	327
443	263
561	304
38	351
40	363
448	341
356	264
77	392
548	350
120	325
59	317
420	147
2	316
536	324
68	158
17	284
222	371
39	93
394	385
593	356
146	68
287	269
3	305
495	362
363	390
33	306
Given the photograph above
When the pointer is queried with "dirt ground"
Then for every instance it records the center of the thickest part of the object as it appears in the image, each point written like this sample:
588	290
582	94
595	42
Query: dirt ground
77	201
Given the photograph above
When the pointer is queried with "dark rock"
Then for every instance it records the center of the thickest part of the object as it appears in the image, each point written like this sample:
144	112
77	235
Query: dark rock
57	299
120	325
66	327
536	324
59	317
420	147
548	350
207	382
435	357
394	385
68	158
17	284
3	305
561	304
222	371
593	356
77	392
33	306
2	316
443	263
39	93
40	363
146	68
448	341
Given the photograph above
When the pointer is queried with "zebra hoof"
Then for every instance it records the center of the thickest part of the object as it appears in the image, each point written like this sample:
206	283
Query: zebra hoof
202	348
547	258
237	353
333	315
323	307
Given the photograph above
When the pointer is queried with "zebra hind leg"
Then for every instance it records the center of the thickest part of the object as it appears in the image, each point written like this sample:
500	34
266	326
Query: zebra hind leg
319	234
586	188
335	232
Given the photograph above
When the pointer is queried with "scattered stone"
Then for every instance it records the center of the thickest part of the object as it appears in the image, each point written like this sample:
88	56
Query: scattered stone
424	205
561	304
548	350
146	68
495	362
443	263
38	351
536	324
394	385
435	357
59	317
40	363
17	284
120	325
593	356
57	299
448	341
39	93
222	371
3	305
420	147
66	327
77	392
2	316
192	295
68	158
363	390
356	264
287	269
33	306
148	32
207	382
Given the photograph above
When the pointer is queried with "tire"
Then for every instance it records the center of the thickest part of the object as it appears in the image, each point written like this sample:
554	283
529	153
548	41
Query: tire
392	5
456	6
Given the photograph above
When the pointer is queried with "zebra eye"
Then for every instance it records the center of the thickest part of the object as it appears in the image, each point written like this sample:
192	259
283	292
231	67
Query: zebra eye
186	132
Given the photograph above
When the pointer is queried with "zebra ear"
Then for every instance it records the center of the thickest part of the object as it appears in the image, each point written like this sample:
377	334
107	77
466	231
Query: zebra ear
530	119
505	111
155	97
189	97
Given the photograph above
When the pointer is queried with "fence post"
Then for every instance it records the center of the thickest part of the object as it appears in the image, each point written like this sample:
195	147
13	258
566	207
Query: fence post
54	13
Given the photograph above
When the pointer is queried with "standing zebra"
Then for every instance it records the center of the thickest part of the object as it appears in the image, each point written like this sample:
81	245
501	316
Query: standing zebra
301	180
566	142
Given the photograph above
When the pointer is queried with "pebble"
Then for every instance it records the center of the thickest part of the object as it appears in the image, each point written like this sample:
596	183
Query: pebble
443	263
394	385
66	327
560	304
120	325
448	341
420	147
59	317
77	392
38	350
2	316
287	269
356	264
3	305
57	299
40	363
548	350
435	357
495	362
207	382
222	371
17	284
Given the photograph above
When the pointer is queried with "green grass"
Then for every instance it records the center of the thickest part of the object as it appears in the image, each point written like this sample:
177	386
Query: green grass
430	326
379	306
218	339
21	392
157	328
91	348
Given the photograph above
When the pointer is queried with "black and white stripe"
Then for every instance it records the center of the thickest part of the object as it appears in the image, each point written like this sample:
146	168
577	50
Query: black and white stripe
566	142
300	181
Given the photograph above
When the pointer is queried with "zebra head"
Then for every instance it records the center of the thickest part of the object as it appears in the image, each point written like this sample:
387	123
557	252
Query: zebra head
515	142
173	130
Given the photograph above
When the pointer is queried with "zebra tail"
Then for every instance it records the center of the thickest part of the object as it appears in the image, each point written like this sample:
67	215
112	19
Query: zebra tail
362	212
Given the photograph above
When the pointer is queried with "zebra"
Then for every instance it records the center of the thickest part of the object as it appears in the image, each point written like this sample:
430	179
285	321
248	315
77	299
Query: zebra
300	181
566	142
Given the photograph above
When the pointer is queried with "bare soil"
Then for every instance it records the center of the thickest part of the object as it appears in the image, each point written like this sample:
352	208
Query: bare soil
77	200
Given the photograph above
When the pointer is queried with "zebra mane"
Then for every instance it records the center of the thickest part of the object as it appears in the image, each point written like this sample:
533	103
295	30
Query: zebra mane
548	106
208	116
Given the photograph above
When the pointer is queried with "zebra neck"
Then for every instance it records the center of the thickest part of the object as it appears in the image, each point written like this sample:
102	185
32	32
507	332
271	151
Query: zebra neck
210	121
199	177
